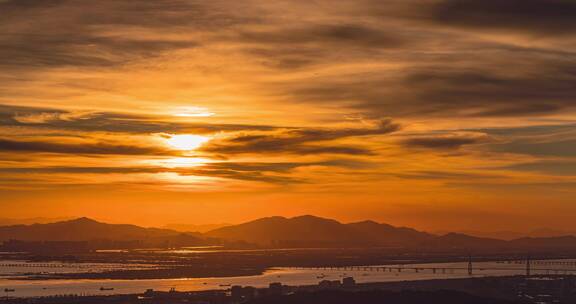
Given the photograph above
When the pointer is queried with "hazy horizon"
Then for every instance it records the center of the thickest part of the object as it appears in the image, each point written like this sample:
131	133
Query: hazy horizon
202	228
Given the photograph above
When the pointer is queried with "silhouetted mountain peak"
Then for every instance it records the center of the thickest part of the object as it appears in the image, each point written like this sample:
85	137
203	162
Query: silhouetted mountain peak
309	230
268	219
457	235
366	223
312	219
82	229
280	220
82	220
306	217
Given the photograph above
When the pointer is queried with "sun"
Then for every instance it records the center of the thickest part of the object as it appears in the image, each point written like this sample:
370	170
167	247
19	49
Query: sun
186	142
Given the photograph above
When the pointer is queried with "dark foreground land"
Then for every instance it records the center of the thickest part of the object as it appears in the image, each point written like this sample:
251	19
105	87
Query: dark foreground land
319	297
381	297
488	290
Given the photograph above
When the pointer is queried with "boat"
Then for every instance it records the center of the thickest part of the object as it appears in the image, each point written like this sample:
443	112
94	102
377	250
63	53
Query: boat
106	288
9	290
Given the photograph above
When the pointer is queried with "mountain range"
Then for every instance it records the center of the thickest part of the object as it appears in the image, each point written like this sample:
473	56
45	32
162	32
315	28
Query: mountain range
511	235
304	231
194	228
280	232
99	234
32	220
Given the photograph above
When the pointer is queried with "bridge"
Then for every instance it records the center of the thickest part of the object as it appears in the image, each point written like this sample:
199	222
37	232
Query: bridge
529	267
70	265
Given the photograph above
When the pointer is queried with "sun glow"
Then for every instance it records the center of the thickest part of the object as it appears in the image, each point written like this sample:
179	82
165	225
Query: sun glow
180	162
193	112
186	142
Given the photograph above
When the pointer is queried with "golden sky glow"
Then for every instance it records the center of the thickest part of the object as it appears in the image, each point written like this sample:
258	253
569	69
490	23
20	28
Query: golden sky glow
440	114
186	142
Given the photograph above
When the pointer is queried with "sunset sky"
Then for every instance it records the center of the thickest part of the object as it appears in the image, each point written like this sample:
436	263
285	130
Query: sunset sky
433	114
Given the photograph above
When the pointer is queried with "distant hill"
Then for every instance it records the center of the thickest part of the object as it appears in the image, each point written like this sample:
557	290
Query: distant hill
311	231
567	242
458	241
29	221
388	234
85	229
194	228
511	235
305	231
276	232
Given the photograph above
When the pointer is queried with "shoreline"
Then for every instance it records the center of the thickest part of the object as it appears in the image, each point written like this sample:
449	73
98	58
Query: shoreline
475	285
201	271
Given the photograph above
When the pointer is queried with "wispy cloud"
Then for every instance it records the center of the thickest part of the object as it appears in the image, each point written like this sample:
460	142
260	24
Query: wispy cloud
537	17
81	148
274	173
300	141
92	121
549	167
446	141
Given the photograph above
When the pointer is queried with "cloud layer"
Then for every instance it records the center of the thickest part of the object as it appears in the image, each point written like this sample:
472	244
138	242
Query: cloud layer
320	99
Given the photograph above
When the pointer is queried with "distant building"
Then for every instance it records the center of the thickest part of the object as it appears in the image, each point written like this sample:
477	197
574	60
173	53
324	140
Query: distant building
545	288
241	294
149	293
348	282
275	289
327	284
236	292
250	293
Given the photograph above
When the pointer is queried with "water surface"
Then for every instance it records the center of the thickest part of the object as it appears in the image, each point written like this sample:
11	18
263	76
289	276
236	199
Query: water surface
288	276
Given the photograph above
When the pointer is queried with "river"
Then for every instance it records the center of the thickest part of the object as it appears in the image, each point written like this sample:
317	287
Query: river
288	276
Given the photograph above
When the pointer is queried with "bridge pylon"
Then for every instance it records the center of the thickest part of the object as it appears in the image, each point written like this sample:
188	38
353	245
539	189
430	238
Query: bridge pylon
470	265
